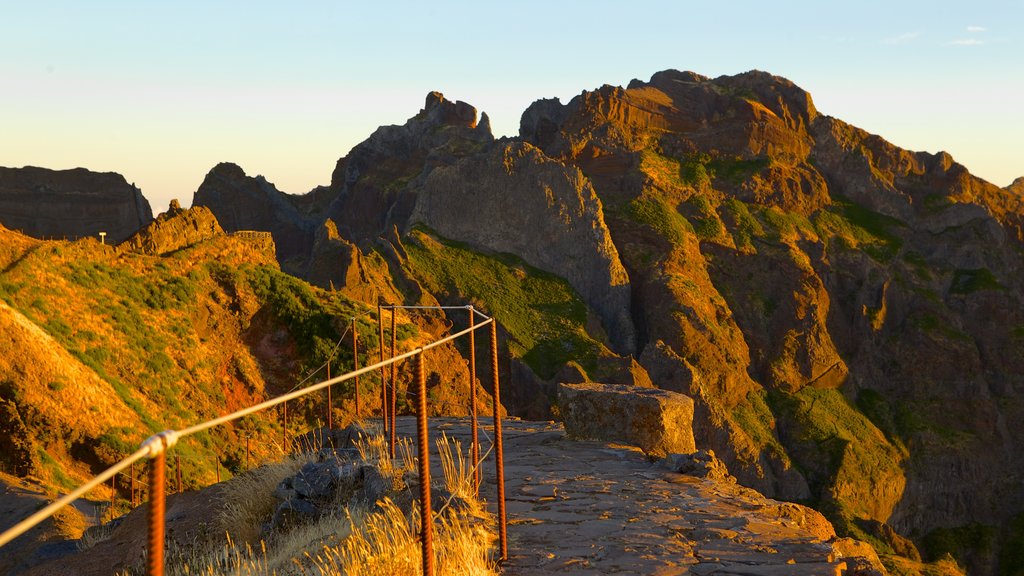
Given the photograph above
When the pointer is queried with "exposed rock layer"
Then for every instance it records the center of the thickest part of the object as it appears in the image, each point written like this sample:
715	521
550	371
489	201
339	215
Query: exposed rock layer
71	203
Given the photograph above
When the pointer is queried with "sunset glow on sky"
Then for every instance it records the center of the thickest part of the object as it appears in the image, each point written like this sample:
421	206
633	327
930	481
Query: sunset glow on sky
161	92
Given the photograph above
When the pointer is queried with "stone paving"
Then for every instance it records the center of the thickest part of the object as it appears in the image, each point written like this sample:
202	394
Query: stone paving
600	508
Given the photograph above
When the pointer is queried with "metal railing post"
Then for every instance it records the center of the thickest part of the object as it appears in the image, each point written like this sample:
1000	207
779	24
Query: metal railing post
475	447
394	385
330	420
355	363
284	428
383	374
423	445
499	455
155	558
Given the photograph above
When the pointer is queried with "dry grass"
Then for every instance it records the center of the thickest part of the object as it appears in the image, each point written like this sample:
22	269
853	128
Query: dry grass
375	540
387	542
249	497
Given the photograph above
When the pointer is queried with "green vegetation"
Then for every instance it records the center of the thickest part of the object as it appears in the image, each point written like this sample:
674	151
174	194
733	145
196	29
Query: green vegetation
706	224
756	419
545	318
745	226
662	170
854	227
661	218
844	456
736	170
972	280
780	226
959	542
1011	557
932	324
695	171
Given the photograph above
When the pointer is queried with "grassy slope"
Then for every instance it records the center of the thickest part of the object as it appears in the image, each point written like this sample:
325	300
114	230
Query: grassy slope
545	319
173	340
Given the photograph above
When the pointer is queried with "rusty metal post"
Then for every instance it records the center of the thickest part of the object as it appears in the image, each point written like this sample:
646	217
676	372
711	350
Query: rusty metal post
155	559
330	422
475	447
423	446
284	428
113	494
355	363
218	470
133	485
177	465
394	386
247	439
383	374
499	454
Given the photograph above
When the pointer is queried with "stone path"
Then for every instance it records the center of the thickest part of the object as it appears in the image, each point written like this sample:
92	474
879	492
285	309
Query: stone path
597	508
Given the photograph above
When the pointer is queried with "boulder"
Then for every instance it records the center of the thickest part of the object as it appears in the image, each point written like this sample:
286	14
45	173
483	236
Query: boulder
658	421
702	464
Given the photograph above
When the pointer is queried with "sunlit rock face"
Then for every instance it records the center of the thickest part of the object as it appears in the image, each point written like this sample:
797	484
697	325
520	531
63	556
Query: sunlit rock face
71	204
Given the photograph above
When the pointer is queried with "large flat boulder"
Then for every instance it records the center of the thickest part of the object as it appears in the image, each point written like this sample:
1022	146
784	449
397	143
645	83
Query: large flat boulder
659	422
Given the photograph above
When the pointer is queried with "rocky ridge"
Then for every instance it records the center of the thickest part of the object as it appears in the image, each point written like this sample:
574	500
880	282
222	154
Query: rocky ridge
71	204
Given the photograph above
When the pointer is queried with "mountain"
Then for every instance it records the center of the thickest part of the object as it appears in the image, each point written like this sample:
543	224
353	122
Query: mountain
846	314
71	203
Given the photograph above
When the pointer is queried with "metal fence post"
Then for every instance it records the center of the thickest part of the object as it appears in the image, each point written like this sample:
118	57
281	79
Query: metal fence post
475	447
355	363
155	559
383	374
394	385
423	445
330	421
284	428
499	455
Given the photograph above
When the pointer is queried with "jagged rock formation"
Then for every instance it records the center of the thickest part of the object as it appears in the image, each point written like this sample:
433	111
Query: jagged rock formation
242	202
71	203
546	214
175	229
1017	186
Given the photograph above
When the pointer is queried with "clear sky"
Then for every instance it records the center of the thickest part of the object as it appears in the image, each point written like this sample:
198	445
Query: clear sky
162	91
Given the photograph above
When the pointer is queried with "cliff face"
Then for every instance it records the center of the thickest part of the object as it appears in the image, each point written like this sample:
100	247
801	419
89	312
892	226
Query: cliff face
71	203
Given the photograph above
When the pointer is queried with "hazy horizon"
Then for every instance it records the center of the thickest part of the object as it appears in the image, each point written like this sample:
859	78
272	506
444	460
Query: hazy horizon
162	93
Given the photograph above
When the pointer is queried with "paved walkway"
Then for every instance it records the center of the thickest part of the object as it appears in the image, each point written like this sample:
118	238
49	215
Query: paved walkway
596	508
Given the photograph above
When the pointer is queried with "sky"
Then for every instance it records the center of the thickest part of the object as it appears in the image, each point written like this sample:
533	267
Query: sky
160	92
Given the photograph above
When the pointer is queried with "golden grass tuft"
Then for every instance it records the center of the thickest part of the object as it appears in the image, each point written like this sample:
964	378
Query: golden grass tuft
377	539
249	497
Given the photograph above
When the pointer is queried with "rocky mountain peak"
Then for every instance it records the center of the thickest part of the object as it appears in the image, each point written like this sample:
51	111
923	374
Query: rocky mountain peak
1017	186
438	110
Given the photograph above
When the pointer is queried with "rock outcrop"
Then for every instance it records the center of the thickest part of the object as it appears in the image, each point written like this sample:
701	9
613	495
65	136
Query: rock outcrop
71	204
175	229
659	422
241	202
514	199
